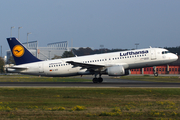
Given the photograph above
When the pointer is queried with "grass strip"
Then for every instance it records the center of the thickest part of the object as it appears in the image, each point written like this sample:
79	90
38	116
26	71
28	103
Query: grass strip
90	103
28	78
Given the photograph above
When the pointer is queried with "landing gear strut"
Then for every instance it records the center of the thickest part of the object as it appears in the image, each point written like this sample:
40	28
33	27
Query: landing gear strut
155	74
97	80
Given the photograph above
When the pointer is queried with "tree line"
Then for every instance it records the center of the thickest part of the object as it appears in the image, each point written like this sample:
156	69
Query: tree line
2	63
174	49
89	51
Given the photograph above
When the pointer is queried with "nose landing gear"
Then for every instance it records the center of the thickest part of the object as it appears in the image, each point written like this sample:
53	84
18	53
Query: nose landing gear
155	74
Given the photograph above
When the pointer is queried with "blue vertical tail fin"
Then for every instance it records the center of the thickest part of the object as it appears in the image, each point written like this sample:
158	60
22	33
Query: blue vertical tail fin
20	53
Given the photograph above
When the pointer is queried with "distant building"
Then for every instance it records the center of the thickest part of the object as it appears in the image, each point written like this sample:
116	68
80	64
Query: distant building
45	53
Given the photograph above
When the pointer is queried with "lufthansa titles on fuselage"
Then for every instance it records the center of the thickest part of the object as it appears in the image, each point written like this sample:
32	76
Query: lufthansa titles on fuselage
134	53
55	63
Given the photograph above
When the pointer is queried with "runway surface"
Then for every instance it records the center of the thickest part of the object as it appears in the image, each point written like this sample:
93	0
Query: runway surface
87	84
108	82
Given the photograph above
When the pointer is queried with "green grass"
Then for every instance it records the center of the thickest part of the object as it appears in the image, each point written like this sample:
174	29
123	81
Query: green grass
90	103
174	79
28	78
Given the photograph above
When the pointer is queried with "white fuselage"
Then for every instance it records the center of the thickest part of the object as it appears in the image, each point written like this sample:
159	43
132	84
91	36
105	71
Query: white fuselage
128	59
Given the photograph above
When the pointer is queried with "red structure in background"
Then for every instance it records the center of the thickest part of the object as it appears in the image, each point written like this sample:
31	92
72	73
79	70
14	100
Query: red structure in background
165	69
173	68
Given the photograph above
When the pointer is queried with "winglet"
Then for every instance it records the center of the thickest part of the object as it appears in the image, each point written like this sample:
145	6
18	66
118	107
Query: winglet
20	53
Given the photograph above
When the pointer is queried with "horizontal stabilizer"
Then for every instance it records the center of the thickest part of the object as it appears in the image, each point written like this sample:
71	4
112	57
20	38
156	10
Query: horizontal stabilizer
18	67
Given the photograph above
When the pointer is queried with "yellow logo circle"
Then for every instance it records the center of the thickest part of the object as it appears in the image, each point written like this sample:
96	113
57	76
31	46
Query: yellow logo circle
18	51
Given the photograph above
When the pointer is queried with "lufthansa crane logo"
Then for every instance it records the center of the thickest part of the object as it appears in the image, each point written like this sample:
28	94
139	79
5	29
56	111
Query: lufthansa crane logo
18	51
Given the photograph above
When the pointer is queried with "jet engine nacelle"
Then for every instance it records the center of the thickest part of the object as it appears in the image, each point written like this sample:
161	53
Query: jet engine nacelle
117	70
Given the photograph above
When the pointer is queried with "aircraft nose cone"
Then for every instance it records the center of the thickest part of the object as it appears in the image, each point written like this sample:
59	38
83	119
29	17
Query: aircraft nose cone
175	57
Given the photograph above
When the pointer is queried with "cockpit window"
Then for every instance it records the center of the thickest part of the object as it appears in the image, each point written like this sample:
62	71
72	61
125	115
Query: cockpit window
165	52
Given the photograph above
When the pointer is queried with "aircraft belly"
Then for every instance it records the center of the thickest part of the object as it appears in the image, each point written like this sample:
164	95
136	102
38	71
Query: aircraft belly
31	71
145	64
62	71
34	69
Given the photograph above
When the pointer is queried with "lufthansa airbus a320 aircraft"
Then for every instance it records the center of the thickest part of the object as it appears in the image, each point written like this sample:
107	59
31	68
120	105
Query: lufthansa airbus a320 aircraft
112	64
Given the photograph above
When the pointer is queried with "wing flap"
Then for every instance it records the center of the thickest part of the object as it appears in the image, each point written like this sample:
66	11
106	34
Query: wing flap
85	65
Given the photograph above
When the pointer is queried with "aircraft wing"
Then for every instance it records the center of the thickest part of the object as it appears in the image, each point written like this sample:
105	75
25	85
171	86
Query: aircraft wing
85	65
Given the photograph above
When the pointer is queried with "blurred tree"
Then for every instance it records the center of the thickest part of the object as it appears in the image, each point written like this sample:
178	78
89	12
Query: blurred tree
67	54
56	57
11	60
2	63
89	51
174	49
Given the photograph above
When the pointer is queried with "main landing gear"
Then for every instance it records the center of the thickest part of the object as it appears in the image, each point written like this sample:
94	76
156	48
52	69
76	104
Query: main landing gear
97	80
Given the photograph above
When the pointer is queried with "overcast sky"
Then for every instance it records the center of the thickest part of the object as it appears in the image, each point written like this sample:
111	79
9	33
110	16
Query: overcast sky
91	23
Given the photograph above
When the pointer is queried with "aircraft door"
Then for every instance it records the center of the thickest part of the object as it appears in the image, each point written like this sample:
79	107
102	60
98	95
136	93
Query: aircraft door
153	54
41	68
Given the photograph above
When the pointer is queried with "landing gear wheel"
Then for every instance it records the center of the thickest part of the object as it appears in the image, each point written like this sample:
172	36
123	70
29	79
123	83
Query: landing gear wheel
95	80
100	80
156	74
